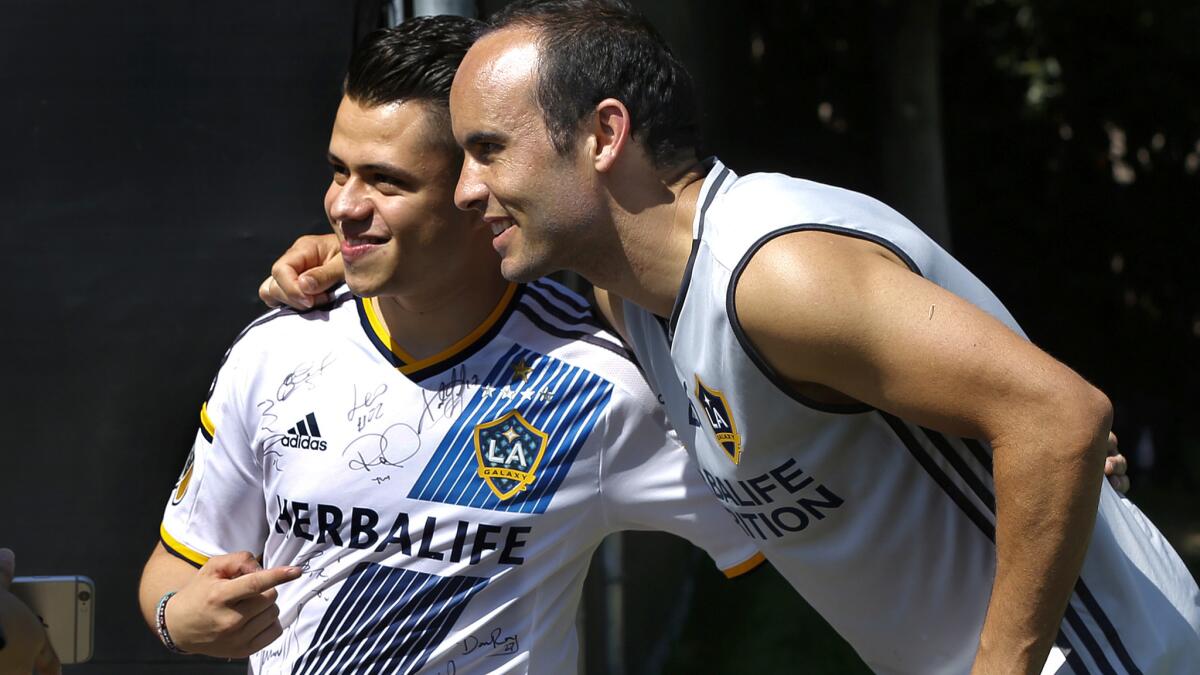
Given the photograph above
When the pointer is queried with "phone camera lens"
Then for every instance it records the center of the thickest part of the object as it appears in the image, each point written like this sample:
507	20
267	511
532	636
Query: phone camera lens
84	596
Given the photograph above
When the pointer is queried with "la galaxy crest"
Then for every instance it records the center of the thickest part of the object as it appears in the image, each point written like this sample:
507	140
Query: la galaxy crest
185	478
509	450
720	420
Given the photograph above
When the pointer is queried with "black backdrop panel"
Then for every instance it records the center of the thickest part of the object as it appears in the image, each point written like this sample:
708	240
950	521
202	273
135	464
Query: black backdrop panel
160	155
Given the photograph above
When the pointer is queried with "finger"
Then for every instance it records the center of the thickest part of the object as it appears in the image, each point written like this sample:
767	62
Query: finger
265	637
8	567
230	565
1112	444
255	604
1115	466
260	581
1120	483
264	292
259	622
323	277
47	662
285	281
309	251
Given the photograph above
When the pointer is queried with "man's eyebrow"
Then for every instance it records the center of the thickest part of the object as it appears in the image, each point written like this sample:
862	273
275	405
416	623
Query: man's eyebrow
377	167
477	137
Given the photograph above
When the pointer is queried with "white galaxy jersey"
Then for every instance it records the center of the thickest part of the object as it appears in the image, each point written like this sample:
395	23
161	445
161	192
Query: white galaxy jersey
885	527
445	509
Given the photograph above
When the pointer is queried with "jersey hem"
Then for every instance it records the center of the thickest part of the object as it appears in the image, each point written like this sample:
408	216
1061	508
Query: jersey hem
745	566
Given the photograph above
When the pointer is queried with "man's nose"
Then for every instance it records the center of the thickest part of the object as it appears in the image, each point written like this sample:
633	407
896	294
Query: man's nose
351	201
470	193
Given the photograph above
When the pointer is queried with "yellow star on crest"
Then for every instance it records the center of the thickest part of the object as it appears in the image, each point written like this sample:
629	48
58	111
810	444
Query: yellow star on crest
521	370
510	435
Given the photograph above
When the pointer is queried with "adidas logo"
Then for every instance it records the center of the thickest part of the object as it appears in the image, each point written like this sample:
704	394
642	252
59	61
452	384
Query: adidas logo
305	434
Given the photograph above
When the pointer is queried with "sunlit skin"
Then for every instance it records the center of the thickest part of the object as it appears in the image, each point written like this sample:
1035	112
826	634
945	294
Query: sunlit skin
837	318
552	212
390	203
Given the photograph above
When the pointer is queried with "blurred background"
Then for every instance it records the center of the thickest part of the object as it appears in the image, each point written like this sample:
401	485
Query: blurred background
163	154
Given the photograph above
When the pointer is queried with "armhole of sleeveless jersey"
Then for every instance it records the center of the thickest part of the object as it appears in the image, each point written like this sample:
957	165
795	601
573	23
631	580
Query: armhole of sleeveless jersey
759	361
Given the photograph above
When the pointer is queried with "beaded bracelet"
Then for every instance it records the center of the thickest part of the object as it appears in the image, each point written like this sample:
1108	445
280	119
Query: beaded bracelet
160	617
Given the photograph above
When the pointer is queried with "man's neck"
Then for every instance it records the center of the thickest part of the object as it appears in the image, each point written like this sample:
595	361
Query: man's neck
428	323
655	244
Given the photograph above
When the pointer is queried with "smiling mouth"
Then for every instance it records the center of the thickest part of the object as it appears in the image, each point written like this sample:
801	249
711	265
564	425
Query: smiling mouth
499	226
362	240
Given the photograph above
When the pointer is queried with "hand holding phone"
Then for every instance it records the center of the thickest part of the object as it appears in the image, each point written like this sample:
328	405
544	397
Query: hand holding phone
27	646
65	605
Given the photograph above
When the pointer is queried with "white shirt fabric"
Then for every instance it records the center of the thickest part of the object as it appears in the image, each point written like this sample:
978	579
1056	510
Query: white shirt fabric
885	527
445	509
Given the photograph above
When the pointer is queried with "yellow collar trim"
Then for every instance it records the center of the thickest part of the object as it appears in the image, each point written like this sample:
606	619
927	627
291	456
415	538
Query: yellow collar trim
411	365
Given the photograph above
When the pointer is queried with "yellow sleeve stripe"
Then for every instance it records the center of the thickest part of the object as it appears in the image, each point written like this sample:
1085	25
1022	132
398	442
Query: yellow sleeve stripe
179	550
206	423
743	567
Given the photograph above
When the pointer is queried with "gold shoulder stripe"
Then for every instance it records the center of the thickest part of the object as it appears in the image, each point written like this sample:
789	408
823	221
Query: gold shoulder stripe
206	421
745	566
411	365
173	546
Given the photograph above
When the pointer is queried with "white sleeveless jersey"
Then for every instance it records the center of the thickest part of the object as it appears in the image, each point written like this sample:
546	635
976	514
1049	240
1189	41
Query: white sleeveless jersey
444	510
885	527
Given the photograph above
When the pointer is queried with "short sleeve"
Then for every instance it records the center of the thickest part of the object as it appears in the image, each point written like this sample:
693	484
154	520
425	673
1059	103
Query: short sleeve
217	505
650	482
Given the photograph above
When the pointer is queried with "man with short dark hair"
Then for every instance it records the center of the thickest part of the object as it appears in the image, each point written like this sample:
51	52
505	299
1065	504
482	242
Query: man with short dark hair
863	405
426	464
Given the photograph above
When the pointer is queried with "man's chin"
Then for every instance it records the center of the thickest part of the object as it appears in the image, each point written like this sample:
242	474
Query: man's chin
519	271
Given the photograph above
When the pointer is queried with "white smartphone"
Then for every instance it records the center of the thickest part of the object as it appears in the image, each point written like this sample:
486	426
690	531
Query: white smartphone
66	606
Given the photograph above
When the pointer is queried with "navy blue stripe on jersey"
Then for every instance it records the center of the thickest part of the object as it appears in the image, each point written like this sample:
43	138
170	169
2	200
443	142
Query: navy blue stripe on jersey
204	432
562	401
386	620
566	316
952	490
1085	636
1110	631
677	308
564	294
982	454
960	465
1072	655
983	520
566	334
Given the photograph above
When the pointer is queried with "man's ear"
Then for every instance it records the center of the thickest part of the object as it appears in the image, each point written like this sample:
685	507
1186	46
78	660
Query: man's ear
613	129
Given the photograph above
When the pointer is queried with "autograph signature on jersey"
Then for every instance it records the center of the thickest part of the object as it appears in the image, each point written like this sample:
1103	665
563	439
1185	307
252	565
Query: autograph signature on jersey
367	408
397	444
499	643
302	376
449	397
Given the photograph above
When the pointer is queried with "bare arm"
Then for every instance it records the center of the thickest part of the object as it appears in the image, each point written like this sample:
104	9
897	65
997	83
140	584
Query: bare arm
226	608
872	330
303	274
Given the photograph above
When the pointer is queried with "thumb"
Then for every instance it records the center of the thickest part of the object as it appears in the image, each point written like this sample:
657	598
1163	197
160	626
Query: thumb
323	277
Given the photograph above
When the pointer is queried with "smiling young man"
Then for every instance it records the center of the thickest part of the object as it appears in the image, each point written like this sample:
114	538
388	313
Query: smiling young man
870	412
426	464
